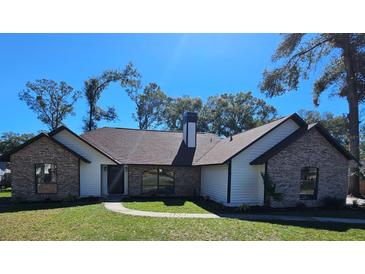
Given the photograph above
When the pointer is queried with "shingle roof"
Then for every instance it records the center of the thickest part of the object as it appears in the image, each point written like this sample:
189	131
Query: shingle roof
6	157
295	136
227	148
131	146
62	128
153	147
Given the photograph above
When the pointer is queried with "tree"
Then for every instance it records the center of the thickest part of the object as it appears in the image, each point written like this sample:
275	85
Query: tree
175	108
338	126
223	114
362	143
229	114
93	88
51	101
150	104
10	140
344	54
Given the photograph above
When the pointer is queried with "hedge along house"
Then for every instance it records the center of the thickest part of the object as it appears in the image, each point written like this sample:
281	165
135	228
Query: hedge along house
304	161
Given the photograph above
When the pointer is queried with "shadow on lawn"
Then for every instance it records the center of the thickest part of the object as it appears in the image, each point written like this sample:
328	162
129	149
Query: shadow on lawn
233	213
336	227
6	205
208	205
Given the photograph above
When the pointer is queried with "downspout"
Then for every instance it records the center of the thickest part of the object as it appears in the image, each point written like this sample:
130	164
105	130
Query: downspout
79	179
229	182
264	181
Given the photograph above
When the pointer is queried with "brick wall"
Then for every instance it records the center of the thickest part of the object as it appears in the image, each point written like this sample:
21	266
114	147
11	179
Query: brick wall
313	150
44	150
187	180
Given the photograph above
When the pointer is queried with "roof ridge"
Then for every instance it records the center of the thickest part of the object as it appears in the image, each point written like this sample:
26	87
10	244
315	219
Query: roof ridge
156	130
138	129
282	118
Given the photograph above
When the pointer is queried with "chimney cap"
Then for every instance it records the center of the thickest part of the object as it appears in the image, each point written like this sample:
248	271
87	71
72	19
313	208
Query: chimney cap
190	116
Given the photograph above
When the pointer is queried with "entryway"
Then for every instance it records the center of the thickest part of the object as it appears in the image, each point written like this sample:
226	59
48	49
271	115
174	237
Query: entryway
115	179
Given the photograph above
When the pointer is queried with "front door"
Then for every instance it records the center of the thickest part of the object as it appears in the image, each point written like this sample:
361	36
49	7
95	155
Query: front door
115	179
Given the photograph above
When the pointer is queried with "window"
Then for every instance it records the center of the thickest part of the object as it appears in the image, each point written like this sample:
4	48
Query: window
158	181
45	177
166	181
308	183
150	181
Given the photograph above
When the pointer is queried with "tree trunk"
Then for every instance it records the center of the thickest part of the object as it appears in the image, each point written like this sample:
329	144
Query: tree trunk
90	117
354	183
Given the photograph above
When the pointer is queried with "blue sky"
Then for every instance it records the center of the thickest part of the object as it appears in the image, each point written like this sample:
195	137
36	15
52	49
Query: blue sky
182	64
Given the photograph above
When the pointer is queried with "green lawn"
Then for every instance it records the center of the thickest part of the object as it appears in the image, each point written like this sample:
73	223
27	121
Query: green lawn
320	212
5	193
91	221
166	205
174	205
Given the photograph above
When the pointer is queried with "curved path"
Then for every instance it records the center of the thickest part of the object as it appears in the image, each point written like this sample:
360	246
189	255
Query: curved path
119	208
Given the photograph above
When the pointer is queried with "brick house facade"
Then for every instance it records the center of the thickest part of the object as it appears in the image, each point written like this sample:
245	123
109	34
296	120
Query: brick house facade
44	150
119	161
311	150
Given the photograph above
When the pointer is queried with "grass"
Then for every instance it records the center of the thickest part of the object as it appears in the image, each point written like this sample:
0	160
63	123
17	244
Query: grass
166	205
89	220
355	213
5	193
174	205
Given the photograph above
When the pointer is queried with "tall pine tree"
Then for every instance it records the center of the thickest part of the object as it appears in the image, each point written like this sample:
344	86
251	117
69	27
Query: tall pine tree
344	54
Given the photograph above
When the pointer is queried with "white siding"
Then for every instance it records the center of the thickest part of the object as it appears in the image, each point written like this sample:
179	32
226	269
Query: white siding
184	133
214	180
90	173
246	184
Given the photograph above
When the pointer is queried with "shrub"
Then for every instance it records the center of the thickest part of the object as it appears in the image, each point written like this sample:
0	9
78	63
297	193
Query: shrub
70	199
206	198
270	191
300	204
331	202
244	208
355	203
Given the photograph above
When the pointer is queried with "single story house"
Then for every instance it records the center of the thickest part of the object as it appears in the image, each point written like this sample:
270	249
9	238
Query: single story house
304	162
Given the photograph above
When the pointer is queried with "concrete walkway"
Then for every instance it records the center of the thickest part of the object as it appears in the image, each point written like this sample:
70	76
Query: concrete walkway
350	200
119	208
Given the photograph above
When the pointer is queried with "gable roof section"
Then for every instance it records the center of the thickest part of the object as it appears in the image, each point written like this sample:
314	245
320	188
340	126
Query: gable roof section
325	133
295	136
149	147
226	149
61	128
6	157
